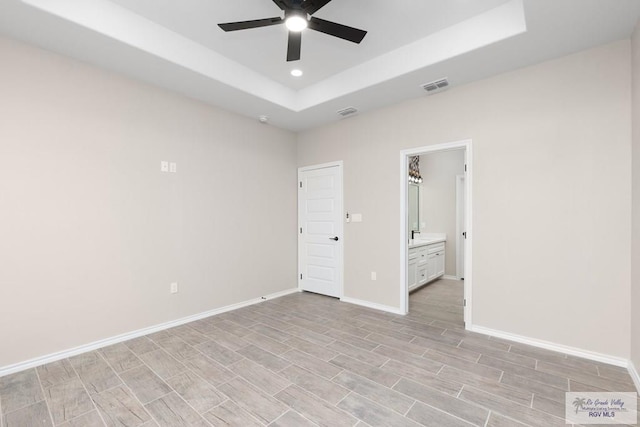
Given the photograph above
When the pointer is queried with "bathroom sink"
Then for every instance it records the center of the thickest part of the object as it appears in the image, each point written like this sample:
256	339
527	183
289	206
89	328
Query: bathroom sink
427	240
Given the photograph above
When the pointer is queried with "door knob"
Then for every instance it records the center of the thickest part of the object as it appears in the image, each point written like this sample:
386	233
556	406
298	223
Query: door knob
334	238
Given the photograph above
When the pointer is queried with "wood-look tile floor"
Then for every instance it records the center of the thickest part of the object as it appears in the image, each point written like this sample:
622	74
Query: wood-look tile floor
306	360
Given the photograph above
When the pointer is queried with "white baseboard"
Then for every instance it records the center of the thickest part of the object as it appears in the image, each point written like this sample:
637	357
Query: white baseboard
634	375
373	305
573	351
446	276
38	361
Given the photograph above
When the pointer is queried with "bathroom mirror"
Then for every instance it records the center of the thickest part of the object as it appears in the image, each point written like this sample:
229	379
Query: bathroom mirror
414	207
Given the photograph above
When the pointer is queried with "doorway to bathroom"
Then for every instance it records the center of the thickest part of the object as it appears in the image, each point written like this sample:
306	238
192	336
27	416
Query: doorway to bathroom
436	221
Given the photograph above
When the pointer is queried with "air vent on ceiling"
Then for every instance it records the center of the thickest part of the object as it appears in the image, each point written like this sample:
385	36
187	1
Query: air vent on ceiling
347	111
436	85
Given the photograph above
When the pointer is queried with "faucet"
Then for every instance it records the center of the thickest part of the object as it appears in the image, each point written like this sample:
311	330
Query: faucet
413	234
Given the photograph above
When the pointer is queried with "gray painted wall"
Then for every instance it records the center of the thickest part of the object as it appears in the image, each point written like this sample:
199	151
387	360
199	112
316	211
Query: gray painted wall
438	198
551	196
92	233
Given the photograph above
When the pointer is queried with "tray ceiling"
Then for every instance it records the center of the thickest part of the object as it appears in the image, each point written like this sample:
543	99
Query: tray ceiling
178	45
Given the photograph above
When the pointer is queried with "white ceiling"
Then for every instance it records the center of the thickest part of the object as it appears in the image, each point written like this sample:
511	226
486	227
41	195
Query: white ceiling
264	49
177	45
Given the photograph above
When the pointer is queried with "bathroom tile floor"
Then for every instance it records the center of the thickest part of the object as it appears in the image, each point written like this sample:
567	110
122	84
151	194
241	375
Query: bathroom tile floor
307	360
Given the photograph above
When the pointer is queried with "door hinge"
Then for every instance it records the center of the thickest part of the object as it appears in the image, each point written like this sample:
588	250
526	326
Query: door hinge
465	302
301	183
465	167
300	230
464	234
300	276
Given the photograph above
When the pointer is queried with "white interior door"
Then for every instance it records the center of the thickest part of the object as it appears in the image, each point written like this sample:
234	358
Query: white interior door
320	234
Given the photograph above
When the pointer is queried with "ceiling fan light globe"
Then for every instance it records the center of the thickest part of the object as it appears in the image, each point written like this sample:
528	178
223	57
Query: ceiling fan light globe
296	23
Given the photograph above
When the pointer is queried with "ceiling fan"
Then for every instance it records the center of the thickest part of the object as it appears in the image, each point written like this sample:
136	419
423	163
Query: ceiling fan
297	17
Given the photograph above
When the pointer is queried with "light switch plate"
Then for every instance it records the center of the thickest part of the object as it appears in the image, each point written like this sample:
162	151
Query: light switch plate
164	166
173	167
356	218
174	288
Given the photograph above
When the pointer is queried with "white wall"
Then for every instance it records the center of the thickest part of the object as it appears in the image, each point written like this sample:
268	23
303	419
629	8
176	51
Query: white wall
91	233
552	195
635	252
438	198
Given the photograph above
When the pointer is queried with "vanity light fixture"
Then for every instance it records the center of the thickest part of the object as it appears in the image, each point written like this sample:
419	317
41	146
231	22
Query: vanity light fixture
296	73
414	170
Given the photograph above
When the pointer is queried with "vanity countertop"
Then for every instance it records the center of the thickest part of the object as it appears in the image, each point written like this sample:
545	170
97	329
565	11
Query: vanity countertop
427	240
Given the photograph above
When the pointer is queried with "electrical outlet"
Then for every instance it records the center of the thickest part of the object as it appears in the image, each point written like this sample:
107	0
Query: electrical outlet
174	288
173	167
164	166
374	275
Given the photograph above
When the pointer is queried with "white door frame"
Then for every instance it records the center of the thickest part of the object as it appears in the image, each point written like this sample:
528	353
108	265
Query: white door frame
340	229
404	185
460	182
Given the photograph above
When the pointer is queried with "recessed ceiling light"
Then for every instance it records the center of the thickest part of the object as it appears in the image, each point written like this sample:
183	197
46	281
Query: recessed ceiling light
296	73
296	23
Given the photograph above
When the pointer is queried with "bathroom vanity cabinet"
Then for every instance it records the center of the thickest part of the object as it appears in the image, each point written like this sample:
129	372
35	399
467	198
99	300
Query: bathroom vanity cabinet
426	262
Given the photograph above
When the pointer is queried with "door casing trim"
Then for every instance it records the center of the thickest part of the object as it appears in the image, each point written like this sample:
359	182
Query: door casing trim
460	183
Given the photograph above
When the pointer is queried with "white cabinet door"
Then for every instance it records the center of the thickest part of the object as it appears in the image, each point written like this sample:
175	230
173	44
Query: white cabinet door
440	264
412	274
432	267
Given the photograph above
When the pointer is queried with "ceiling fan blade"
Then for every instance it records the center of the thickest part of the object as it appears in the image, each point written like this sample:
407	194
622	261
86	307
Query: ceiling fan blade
312	6
338	30
283	4
245	25
295	45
